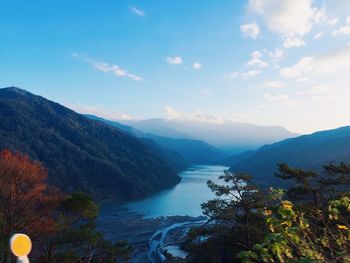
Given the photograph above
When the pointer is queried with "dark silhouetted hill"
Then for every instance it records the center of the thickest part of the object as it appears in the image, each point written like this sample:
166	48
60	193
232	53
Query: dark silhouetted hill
307	152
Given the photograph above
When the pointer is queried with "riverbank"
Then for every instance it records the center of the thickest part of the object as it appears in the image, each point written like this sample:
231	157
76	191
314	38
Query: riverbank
146	235
159	222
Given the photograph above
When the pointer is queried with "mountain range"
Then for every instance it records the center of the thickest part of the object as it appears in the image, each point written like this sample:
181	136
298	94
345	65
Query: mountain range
307	152
227	136
80	153
192	151
134	159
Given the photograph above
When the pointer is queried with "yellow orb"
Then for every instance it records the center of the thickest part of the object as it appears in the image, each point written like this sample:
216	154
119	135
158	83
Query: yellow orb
21	245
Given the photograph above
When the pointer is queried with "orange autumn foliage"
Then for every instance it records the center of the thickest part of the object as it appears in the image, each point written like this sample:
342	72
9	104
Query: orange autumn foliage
27	202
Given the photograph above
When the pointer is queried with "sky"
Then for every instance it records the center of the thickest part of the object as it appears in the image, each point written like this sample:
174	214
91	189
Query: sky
268	62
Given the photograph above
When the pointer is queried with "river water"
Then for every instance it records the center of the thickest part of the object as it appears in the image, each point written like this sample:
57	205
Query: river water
146	223
185	198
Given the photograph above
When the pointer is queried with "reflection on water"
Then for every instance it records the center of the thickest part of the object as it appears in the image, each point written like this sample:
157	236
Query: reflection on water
185	198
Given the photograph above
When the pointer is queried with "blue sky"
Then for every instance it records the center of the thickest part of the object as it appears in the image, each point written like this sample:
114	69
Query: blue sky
267	62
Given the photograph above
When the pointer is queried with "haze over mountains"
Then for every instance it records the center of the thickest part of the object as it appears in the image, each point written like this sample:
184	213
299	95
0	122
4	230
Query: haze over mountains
229	137
191	150
110	159
79	153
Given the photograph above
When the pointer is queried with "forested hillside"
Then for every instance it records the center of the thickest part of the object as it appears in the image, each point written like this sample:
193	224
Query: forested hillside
307	152
81	154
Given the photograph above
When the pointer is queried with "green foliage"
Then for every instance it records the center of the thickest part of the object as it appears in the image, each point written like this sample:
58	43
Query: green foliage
239	197
80	204
234	224
314	226
115	251
76	239
317	228
298	237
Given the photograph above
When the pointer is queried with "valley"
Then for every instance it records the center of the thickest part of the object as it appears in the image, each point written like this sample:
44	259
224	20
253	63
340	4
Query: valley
150	186
147	224
182	131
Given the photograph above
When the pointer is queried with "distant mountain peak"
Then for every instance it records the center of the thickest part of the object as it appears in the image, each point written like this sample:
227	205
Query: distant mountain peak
15	90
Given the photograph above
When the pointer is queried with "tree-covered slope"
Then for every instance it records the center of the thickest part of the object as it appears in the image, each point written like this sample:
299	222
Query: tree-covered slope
81	153
307	152
177	161
182	151
194	151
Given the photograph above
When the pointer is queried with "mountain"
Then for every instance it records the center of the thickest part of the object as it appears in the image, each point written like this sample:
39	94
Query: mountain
159	127
193	151
176	160
226	136
190	150
307	152
81	153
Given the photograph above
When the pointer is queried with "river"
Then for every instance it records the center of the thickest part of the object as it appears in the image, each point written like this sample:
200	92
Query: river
146	223
185	198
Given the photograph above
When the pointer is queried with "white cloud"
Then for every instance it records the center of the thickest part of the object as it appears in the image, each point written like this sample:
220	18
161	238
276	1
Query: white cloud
256	54
285	17
293	41
320	16
137	11
196	65
256	60
250	30
246	74
172	113
273	84
343	30
289	72
277	54
333	21
332	65
174	60
114	69
196	116
251	73
108	68
291	19
318	35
